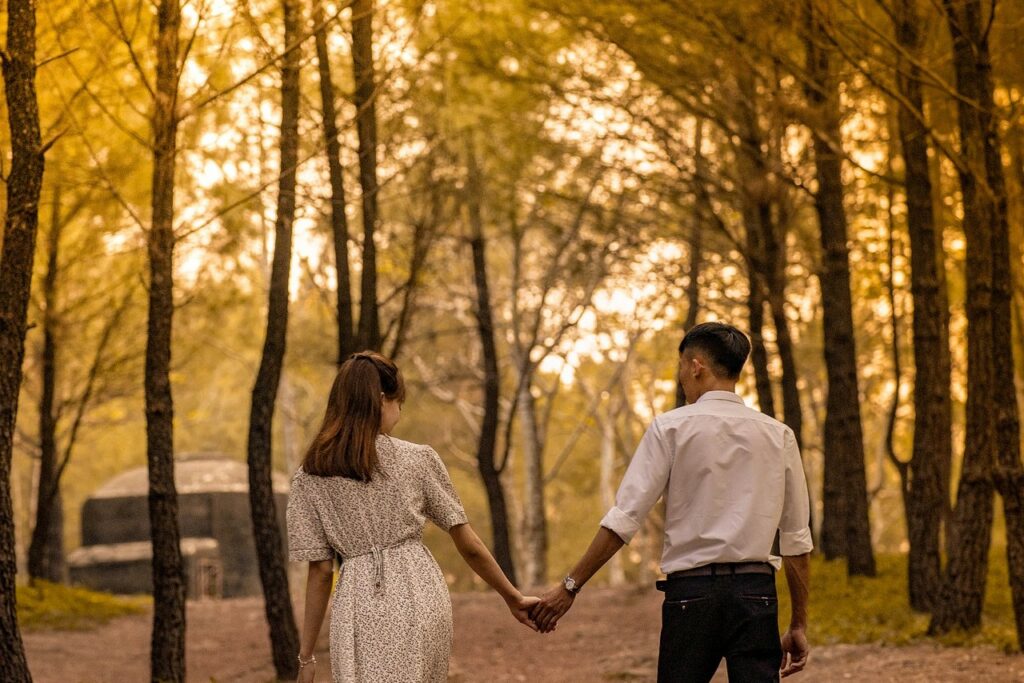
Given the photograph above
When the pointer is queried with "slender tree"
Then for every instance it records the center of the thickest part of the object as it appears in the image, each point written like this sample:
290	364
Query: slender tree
21	224
167	656
696	244
992	442
339	221
487	443
284	637
773	222
364	98
46	549
753	202
927	474
846	530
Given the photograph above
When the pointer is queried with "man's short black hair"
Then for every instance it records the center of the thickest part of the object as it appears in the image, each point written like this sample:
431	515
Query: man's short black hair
725	346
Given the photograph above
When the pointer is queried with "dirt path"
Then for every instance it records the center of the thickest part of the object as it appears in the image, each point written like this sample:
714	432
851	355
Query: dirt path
611	635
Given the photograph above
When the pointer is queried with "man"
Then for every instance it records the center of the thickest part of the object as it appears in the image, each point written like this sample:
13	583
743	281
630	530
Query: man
731	478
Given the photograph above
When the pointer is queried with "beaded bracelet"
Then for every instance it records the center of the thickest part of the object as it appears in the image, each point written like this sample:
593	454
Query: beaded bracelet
302	662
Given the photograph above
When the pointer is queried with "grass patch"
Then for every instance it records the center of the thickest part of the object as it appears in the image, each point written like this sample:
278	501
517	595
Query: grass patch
48	605
876	610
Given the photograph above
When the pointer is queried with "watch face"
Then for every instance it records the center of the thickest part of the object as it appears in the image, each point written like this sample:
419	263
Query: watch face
570	584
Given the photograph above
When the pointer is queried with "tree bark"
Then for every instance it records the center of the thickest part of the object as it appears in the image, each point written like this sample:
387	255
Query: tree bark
775	276
758	351
364	98
927	488
535	527
846	529
696	252
774	220
167	656
46	549
339	221
960	601
284	637
488	440
753	200
20	229
986	224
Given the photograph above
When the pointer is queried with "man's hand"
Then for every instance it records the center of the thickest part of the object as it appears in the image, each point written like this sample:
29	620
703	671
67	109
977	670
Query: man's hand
520	608
795	651
551	607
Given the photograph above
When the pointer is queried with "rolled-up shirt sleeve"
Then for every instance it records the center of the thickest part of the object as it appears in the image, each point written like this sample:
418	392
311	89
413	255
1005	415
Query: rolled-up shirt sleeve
794	529
644	482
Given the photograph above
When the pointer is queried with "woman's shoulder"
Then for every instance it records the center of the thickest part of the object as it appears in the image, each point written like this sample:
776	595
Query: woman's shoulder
421	457
300	478
410	448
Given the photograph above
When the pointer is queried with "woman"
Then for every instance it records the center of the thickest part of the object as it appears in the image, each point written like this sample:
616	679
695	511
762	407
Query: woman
365	496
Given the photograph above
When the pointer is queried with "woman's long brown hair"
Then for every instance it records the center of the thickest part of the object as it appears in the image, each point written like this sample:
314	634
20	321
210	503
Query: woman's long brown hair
346	445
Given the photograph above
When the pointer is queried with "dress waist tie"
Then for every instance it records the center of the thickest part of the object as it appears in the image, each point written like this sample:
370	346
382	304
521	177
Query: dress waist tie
378	561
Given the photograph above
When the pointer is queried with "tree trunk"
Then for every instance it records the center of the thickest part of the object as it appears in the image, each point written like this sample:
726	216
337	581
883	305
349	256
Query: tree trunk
167	656
20	227
927	492
535	531
758	352
1009	470
364	98
774	220
696	253
46	550
959	604
752	191
284	637
488	441
775	276
339	221
846	529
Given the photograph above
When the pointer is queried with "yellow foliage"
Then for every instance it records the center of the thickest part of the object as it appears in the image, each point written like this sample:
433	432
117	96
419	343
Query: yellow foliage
876	610
48	605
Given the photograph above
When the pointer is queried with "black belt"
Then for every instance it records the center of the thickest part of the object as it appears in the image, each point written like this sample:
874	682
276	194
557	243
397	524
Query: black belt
725	568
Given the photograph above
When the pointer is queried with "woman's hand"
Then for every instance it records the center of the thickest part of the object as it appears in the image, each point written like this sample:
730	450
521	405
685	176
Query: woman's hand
520	606
307	673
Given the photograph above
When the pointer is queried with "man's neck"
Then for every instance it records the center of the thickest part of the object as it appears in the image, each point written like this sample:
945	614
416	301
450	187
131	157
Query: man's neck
719	386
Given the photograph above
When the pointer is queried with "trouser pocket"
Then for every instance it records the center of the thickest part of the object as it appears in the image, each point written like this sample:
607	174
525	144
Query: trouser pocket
683	604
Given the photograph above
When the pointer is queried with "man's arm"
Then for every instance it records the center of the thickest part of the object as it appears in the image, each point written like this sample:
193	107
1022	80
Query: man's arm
644	482
795	546
558	600
794	641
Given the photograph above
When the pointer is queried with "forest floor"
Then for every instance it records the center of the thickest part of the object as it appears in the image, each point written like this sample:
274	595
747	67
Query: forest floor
610	635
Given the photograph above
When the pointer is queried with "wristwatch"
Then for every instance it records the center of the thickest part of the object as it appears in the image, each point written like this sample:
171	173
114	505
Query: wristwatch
571	585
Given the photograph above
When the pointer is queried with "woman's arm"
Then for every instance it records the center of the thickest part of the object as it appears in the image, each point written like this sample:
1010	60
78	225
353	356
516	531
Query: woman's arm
480	560
318	592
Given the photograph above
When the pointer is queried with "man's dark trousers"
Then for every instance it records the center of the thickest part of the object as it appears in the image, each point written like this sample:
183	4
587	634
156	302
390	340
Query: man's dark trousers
706	618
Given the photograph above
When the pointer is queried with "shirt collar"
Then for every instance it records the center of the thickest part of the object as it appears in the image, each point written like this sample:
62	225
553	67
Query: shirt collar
730	396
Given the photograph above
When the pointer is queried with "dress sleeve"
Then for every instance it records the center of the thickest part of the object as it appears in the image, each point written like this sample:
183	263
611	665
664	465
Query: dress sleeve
307	541
441	503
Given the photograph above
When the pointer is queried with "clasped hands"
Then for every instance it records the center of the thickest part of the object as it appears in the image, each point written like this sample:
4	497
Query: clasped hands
541	614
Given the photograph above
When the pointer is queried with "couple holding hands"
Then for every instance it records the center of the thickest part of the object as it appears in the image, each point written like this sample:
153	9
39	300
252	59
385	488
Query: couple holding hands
733	485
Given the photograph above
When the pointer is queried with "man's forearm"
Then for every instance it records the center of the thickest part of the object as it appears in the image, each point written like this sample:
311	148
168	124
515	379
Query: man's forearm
605	544
798	579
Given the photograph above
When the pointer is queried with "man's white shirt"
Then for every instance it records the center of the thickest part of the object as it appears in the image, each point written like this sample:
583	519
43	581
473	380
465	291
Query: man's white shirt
730	476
